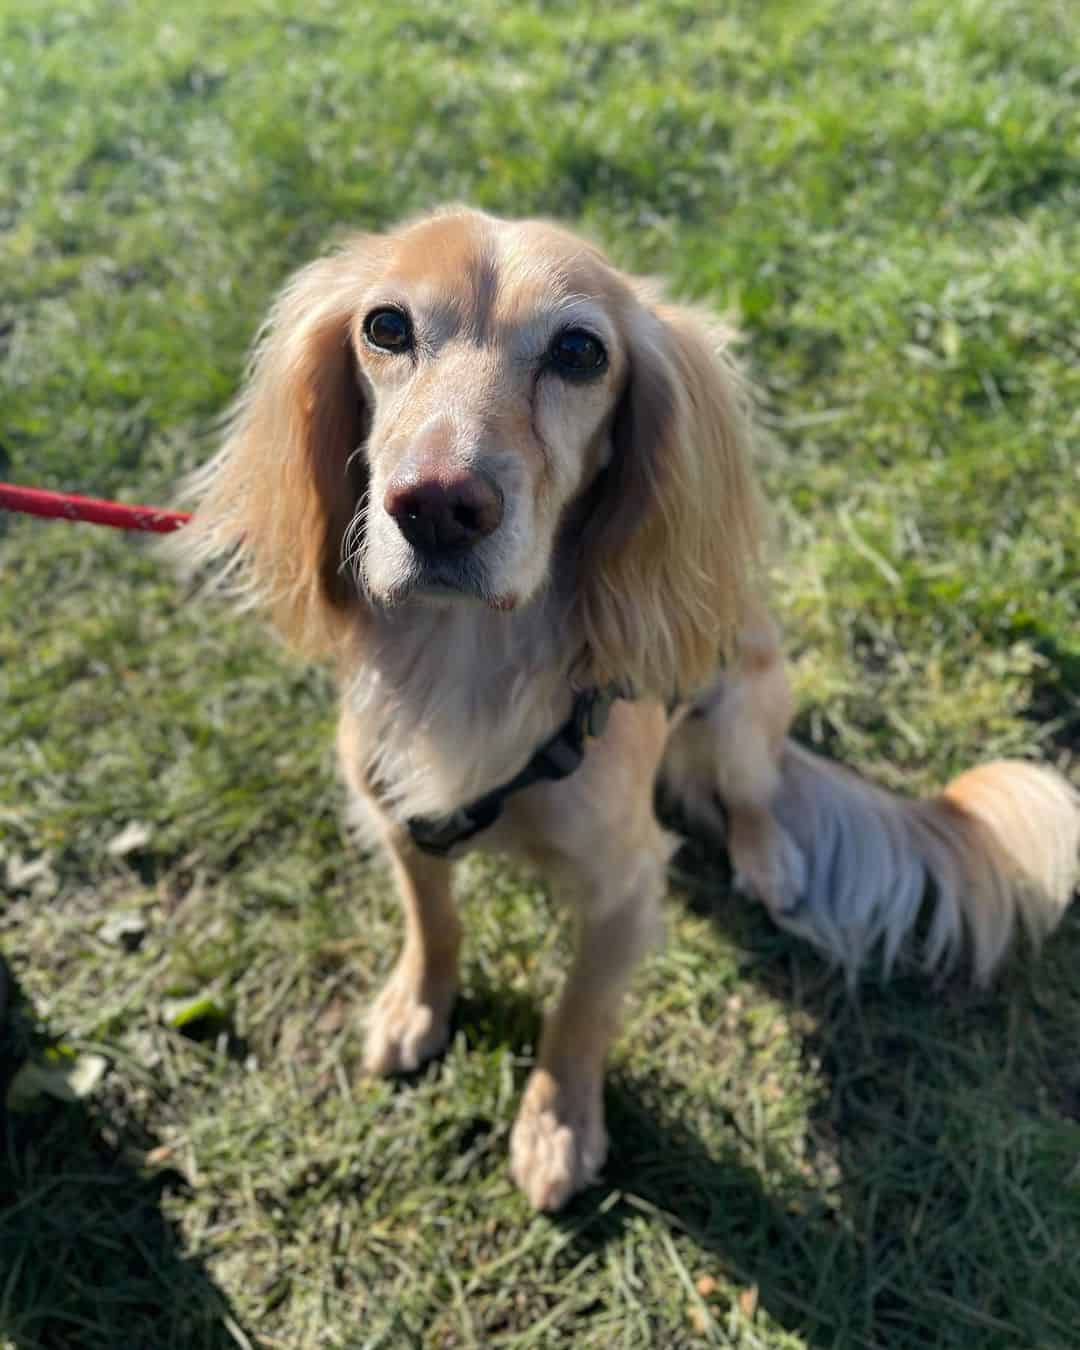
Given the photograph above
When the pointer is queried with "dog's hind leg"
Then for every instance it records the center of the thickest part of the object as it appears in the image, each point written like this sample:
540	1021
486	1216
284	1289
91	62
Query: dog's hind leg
851	867
723	766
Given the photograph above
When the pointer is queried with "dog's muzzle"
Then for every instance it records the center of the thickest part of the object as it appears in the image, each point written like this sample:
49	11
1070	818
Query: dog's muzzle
443	511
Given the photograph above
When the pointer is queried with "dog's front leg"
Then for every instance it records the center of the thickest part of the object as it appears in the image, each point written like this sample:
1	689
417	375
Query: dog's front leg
558	1143
410	1020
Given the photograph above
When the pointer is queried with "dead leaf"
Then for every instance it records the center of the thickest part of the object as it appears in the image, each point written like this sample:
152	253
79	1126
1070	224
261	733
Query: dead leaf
134	835
123	928
60	1074
25	874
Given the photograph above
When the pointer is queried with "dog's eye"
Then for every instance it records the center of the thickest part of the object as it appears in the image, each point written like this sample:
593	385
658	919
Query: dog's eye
388	329
577	354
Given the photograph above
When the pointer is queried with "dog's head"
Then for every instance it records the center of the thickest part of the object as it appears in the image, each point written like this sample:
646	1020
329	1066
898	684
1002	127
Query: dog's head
447	413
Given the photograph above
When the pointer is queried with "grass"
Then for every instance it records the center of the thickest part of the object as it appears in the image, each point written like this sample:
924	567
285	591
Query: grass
886	198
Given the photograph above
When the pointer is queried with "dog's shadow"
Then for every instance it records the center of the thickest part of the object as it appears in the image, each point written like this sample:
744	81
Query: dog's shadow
864	1255
862	1241
87	1257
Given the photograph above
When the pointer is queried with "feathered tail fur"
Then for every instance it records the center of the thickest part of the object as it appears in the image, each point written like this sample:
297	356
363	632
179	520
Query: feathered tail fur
993	853
855	869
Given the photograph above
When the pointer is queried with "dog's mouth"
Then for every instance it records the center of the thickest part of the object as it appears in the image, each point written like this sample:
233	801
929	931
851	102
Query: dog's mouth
449	581
438	592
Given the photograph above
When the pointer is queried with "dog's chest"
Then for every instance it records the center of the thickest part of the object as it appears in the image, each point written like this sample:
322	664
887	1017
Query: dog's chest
450	705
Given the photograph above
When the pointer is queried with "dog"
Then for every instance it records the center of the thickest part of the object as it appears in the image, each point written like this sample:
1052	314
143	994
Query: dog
507	490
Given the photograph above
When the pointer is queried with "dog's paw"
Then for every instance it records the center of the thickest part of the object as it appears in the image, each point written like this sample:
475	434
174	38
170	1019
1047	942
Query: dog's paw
558	1143
778	879
405	1027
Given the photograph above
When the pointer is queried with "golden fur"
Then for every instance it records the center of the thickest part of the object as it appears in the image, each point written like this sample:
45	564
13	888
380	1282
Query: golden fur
849	866
624	550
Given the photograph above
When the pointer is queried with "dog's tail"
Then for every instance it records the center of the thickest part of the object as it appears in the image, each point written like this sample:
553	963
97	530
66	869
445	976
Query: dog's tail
856	870
993	853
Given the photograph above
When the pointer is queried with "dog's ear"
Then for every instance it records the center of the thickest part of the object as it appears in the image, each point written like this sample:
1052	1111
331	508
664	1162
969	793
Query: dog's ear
274	506
672	538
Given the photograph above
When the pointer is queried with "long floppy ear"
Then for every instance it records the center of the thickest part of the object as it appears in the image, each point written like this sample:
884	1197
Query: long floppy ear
275	503
673	537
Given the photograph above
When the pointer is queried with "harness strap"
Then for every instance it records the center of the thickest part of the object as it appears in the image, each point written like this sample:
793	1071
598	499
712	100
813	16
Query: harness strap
556	758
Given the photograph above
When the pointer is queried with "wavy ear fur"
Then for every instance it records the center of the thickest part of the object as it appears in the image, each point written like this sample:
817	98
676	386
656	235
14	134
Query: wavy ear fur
669	547
274	505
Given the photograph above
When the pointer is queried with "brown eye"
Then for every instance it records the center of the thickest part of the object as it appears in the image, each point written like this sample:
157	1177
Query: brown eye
388	329
577	354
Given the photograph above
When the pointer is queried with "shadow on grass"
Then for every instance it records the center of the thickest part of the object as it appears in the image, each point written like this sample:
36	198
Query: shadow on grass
942	1215
797	1259
88	1261
1055	695
791	1254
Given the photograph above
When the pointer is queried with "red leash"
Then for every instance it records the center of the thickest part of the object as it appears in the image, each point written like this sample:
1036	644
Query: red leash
93	510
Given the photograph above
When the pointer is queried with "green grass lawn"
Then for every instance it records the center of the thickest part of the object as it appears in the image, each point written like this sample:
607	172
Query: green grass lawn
886	197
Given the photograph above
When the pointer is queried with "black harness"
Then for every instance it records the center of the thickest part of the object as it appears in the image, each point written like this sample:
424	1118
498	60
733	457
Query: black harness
556	758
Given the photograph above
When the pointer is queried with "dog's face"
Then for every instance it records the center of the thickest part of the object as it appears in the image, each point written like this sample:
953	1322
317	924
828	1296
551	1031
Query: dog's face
434	412
491	358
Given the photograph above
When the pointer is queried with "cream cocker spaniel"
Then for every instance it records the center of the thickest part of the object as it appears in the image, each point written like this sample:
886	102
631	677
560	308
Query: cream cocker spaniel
502	485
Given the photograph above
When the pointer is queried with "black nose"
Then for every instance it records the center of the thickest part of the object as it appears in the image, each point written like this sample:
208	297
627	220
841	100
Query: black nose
445	511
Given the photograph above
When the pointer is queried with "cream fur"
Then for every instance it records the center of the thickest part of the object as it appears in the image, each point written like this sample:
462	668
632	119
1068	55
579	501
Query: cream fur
625	551
849	866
